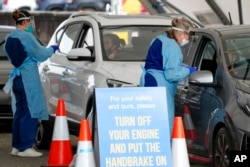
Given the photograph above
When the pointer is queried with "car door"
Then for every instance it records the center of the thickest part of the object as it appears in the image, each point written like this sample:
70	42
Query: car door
201	101
60	75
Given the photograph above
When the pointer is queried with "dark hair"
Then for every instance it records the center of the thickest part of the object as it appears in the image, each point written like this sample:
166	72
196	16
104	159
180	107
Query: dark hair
114	38
20	15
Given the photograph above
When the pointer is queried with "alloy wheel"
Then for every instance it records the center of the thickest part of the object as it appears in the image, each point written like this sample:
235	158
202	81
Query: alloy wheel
221	148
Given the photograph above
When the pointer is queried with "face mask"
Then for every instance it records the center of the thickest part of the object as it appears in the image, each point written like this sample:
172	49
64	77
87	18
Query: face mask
184	42
29	29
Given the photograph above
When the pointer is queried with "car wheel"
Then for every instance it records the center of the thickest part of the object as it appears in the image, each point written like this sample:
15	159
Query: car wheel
221	148
43	135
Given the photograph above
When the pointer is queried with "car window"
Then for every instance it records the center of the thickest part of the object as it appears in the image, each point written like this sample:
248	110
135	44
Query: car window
133	42
89	41
187	49
209	51
237	56
2	54
208	61
68	38
86	38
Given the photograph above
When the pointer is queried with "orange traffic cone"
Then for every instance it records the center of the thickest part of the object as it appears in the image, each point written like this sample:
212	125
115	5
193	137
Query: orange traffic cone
85	154
179	147
190	131
60	149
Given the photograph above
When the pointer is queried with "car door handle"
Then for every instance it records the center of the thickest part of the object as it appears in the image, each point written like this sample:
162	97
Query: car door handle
45	68
66	72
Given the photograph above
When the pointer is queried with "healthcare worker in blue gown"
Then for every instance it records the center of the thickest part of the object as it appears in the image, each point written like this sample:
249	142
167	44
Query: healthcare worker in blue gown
28	100
163	66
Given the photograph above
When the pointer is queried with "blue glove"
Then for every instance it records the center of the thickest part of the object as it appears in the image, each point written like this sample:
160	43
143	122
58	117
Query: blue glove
192	69
54	47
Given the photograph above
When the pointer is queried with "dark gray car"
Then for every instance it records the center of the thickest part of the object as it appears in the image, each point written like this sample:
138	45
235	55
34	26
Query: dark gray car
215	101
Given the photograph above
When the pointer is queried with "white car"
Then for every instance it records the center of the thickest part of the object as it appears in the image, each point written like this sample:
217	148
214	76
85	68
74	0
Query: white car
80	65
11	5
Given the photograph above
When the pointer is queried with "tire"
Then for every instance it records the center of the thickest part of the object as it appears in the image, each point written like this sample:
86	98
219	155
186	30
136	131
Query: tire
221	149
43	135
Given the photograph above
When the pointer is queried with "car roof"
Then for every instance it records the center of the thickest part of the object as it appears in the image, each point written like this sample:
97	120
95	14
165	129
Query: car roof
105	19
226	30
6	28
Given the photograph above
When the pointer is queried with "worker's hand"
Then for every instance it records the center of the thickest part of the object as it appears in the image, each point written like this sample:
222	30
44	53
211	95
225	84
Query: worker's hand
54	47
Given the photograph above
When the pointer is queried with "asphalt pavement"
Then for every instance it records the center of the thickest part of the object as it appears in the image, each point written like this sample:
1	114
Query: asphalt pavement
7	160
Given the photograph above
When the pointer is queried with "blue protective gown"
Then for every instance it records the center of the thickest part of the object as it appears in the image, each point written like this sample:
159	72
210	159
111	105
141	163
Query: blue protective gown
24	52
163	68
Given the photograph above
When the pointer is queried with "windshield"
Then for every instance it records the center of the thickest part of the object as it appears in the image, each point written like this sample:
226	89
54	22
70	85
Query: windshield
237	54
128	43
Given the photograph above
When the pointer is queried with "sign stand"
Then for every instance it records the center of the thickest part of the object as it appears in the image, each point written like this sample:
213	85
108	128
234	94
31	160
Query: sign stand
133	128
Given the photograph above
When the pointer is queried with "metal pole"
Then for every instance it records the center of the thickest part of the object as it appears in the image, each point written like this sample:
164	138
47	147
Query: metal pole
240	11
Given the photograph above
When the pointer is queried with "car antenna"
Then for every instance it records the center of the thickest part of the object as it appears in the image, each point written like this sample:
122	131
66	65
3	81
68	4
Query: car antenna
230	18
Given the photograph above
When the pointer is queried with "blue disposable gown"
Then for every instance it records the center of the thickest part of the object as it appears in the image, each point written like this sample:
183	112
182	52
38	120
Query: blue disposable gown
163	68
28	69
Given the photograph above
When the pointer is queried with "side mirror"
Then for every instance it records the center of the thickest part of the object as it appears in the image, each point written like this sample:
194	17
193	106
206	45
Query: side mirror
202	78
79	54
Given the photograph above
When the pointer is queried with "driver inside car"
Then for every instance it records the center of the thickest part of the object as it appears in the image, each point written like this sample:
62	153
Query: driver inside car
111	44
